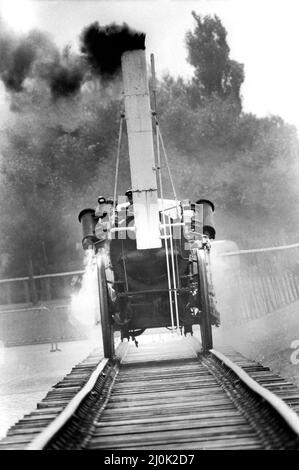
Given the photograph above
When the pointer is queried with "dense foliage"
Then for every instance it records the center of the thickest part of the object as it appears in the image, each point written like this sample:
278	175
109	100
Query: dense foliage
58	155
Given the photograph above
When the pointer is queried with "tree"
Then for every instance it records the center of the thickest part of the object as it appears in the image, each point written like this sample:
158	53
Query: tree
56	157
246	165
208	52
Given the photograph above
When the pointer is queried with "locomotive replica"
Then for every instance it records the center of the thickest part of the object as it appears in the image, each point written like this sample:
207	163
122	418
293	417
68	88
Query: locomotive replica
152	253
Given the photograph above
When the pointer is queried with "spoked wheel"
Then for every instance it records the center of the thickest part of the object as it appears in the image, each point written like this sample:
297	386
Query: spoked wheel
107	327
204	301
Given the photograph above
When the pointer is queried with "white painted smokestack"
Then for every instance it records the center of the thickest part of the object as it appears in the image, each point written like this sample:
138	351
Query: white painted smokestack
141	149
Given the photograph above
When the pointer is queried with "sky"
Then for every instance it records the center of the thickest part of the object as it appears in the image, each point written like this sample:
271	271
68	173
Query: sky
262	34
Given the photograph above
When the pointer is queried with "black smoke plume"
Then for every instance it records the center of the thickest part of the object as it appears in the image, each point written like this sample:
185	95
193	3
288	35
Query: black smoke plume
19	67
65	81
17	55
64	74
104	46
35	56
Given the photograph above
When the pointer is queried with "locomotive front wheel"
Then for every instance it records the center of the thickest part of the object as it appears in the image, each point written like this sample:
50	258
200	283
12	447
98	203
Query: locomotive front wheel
204	301
107	327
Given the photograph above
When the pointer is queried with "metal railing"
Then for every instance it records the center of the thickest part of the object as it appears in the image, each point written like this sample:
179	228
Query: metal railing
41	324
42	287
258	282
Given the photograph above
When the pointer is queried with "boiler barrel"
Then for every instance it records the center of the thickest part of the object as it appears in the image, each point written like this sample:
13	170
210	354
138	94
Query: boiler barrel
208	218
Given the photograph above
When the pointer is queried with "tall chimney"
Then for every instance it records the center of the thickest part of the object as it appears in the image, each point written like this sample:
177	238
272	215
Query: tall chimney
141	149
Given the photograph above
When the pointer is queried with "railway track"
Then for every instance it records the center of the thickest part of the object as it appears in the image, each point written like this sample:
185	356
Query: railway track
164	396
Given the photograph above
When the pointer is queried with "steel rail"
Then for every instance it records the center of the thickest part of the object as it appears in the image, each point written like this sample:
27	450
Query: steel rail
288	415
54	427
49	432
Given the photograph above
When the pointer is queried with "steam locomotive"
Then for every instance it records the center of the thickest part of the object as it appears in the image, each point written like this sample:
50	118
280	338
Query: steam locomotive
168	286
153	254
